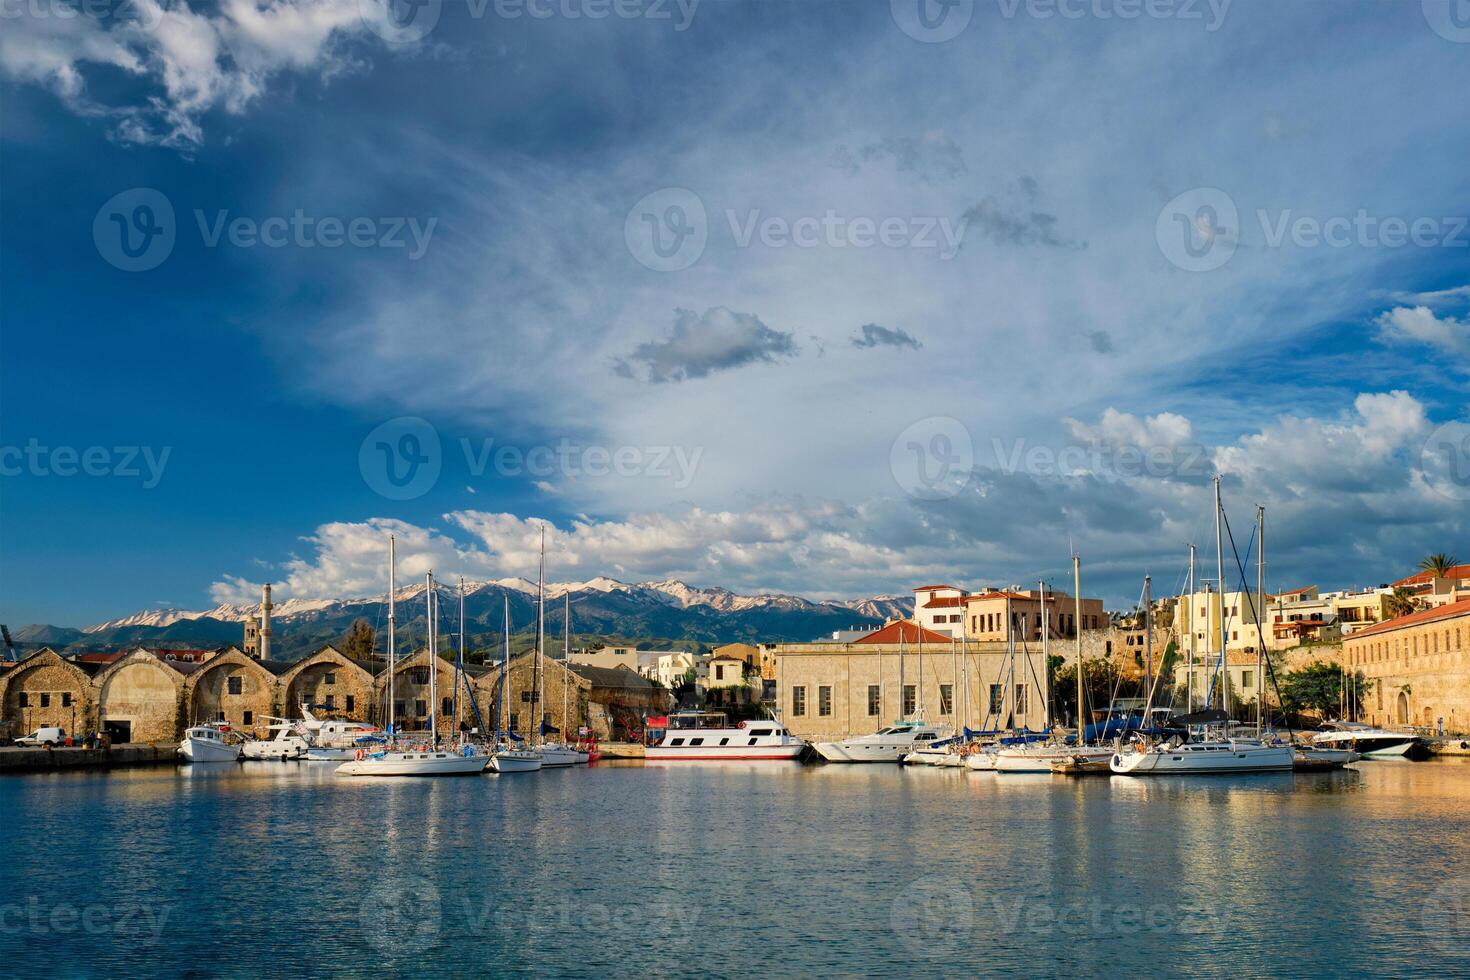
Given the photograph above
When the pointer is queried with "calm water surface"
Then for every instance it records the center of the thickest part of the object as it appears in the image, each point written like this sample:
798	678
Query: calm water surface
725	870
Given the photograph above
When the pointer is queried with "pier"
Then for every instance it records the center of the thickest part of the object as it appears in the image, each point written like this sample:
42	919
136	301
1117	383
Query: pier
19	760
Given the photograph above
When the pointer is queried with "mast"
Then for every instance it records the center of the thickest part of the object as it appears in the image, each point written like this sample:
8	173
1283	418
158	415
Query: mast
502	721
1220	571
1148	646
1045	659
392	654
954	673
901	716
432	605
1010	657
459	661
565	670
1189	610
540	632
1077	629
1260	618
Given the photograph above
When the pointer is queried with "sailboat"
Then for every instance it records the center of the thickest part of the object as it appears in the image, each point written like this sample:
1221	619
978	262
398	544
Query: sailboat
563	753
425	758
507	758
1211	749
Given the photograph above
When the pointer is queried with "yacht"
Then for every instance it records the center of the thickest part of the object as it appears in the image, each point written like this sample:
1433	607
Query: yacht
708	735
981	758
943	754
214	742
289	742
1041	756
333	739
419	760
885	745
508	758
1207	757
1371	743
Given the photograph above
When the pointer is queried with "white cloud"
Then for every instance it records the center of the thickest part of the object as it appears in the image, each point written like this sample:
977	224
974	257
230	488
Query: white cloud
235	590
1419	324
1117	428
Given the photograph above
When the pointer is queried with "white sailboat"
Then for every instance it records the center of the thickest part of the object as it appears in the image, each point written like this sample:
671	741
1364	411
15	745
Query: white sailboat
563	753
506	758
426	758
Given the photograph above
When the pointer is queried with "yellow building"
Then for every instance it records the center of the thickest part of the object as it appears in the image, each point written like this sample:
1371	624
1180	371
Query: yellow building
1420	668
985	615
831	690
1200	614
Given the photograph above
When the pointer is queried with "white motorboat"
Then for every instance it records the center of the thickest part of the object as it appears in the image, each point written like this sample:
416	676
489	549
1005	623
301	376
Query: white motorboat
289	742
333	739
981	758
1207	757
421	760
1308	759
214	742
708	735
885	745
1039	757
939	756
1369	742
507	760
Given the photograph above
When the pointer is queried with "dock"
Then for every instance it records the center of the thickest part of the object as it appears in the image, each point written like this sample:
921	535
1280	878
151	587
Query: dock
620	750
22	760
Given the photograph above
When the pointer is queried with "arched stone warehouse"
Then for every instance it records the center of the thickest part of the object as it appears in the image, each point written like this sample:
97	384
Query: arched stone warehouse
140	698
235	689
45	690
340	687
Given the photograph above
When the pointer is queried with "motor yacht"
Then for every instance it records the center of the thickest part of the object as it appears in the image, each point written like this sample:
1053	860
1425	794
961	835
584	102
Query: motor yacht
708	735
1369	742
289	742
885	745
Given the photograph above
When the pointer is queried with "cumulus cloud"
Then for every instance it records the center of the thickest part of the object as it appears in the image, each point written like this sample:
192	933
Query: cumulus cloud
1419	324
194	62
1116	428
703	344
874	335
235	589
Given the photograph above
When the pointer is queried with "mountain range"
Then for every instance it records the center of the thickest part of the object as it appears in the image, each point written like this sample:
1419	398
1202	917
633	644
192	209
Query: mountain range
647	614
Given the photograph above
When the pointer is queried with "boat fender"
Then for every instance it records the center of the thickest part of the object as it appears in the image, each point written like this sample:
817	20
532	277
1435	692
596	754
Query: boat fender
360	755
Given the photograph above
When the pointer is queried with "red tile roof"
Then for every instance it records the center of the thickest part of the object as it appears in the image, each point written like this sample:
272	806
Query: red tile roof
908	632
1454	574
943	601
1050	596
1305	588
931	588
1461	608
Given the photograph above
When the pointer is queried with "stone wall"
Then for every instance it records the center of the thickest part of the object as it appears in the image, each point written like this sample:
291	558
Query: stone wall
520	714
234	689
340	687
145	694
49	691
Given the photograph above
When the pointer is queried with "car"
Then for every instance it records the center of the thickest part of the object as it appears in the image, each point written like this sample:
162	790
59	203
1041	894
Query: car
43	736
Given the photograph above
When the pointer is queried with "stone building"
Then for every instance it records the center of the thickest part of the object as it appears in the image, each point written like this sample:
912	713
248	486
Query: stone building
1420	668
335	685
233	688
44	690
985	615
833	690
412	693
619	700
140	698
747	652
564	695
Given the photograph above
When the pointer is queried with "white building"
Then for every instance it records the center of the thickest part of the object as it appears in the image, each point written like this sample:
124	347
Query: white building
668	667
940	608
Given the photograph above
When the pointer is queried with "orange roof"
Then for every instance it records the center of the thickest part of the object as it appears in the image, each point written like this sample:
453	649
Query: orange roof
1455	573
1305	588
1050	596
949	600
931	588
1461	608
904	630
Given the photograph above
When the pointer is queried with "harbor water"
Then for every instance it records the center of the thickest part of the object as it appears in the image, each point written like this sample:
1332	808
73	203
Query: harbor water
282	869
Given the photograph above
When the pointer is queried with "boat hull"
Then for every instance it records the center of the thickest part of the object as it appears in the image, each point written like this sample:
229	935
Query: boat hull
415	764
1041	760
1193	761
557	757
200	750
285	749
710	753
515	761
856	752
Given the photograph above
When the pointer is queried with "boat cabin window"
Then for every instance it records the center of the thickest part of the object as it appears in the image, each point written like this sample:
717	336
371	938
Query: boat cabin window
696	741
925	737
724	741
676	741
759	732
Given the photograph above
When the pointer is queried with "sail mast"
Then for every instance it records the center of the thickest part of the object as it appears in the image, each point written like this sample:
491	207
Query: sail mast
1045	629
566	654
1148	646
1077	630
503	720
1189	617
1220	571
430	605
459	665
392	654
540	634
1260	618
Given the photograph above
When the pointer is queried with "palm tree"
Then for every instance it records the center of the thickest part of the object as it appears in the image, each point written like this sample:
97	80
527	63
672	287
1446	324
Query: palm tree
1439	564
1401	602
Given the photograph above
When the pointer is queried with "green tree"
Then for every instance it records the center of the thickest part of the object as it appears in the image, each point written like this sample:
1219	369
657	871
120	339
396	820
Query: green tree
360	639
1439	563
1400	602
1318	688
1099	678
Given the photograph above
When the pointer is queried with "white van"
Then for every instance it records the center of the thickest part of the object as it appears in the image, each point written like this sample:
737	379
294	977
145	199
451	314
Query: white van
43	736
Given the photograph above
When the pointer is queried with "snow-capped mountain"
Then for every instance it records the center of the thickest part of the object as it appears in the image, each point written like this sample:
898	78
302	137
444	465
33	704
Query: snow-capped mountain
668	609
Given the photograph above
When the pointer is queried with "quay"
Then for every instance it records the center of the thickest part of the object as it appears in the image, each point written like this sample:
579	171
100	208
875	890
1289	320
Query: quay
15	760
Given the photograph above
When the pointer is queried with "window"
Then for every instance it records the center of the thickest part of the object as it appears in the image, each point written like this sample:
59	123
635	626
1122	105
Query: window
45	699
719	672
525	697
696	741
351	703
419	675
66	699
25	700
446	707
946	699
329	679
997	699
1248	680
1021	705
515	721
248	718
798	701
1108	647
421	708
910	699
232	685
400	709
824	700
875	697
331	702
676	741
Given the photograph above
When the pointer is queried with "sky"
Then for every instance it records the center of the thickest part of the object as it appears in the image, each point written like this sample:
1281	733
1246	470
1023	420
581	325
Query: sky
835	299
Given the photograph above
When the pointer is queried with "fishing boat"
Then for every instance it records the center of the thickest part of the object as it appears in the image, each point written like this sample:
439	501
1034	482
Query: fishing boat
426	757
708	735
212	742
1371	743
506	757
885	745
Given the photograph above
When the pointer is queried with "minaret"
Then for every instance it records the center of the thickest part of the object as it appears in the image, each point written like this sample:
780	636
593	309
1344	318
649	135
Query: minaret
265	622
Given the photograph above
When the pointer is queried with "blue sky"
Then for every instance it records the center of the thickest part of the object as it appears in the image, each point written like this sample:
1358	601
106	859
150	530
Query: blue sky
923	295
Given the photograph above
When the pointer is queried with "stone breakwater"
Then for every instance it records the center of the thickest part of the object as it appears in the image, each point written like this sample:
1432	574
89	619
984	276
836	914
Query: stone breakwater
19	760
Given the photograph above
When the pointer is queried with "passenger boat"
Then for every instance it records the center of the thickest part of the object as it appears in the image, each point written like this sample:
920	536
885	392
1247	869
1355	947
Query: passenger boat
1206	757
1371	743
885	745
214	742
708	735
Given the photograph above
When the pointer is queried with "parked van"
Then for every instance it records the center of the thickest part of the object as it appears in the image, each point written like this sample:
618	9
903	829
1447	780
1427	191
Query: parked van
43	736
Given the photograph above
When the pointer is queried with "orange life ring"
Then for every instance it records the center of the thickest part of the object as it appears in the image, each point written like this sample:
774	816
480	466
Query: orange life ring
360	755
974	748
